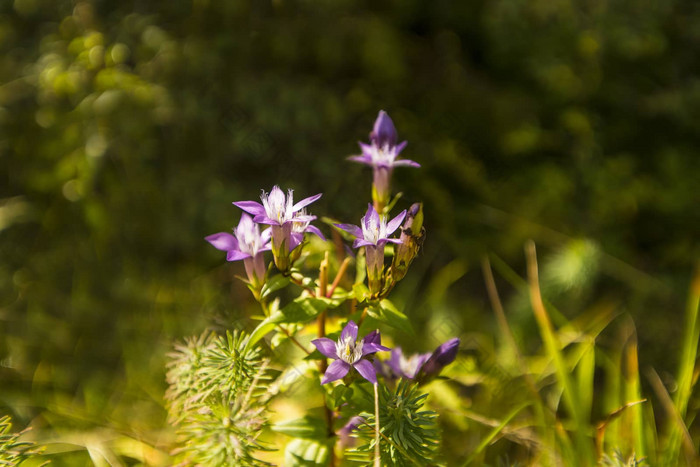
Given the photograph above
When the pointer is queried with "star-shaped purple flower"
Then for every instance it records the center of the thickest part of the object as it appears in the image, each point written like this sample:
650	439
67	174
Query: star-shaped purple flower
381	154
422	366
247	244
280	212
373	234
406	367
348	353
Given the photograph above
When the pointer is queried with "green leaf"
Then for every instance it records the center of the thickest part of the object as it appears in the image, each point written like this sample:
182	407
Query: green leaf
305	452
360	292
302	310
387	313
306	427
340	394
267	325
273	284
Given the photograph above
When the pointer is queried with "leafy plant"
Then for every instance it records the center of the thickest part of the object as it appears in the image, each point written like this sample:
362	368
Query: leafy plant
217	399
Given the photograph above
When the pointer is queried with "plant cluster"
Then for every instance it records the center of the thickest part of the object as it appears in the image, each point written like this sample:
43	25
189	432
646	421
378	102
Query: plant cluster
373	407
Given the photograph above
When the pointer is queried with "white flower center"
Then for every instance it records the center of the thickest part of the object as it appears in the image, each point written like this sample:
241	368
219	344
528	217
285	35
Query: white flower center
383	155
277	206
248	236
409	366
373	232
348	350
300	226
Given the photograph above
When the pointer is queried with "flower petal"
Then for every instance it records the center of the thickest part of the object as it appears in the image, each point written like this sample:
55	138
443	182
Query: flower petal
370	348
326	347
351	229
363	159
223	241
336	370
306	202
235	255
371	218
394	224
295	240
441	357
394	361
373	337
365	368
263	219
362	242
314	230
405	163
350	330
400	147
389	240
384	131
252	207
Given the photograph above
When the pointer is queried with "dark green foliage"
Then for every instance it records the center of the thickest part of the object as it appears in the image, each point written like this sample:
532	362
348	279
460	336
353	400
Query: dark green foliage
217	399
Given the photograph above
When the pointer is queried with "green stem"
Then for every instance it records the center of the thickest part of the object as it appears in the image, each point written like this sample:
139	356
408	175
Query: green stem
377	457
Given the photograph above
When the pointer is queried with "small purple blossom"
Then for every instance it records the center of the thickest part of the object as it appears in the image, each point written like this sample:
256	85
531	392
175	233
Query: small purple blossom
280	212
381	154
406	367
247	244
421	367
302	225
373	234
440	358
348	353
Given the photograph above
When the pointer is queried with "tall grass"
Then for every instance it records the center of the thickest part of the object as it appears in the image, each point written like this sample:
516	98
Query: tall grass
583	403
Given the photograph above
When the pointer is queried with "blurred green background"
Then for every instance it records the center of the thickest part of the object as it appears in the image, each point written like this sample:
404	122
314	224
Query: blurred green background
127	128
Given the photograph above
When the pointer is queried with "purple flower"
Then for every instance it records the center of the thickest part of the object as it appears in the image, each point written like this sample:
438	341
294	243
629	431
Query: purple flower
280	212
404	367
300	225
246	243
374	235
421	367
440	358
381	154
348	353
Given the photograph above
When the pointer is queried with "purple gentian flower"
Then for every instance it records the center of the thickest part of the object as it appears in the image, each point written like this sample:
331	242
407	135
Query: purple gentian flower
381	154
439	359
246	243
300	226
423	366
348	353
374	235
280	212
404	367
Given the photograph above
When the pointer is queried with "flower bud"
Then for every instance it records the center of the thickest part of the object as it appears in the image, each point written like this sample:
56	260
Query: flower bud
440	358
412	236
